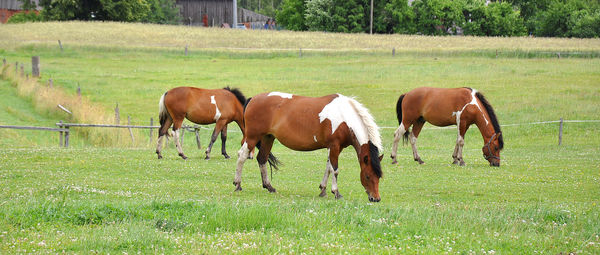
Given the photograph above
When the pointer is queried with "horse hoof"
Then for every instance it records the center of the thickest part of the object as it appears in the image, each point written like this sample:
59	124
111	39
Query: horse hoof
323	193
238	187
207	158
183	156
394	162
159	156
338	196
270	188
420	161
226	156
462	163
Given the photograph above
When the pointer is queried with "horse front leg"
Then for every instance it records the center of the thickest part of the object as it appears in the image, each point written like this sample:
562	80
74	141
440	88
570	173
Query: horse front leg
323	185
333	166
223	141
218	127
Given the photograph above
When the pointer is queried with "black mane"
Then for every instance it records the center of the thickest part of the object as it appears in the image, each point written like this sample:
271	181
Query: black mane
493	118
375	163
238	94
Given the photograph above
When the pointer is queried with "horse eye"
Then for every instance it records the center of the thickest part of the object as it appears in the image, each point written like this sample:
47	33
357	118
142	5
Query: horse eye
368	177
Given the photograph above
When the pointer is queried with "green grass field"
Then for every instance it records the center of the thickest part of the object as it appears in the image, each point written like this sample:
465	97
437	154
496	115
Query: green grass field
99	197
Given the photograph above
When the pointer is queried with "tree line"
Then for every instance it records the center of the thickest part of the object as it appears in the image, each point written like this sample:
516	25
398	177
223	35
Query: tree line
547	18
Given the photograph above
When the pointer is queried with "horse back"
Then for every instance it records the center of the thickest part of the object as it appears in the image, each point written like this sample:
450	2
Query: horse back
437	106
293	121
202	106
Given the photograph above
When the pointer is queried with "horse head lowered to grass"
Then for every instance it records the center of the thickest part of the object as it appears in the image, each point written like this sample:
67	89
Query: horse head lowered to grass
305	124
444	107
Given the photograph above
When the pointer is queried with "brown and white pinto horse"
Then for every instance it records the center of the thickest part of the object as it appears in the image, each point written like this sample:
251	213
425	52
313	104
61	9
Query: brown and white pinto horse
445	107
201	106
305	124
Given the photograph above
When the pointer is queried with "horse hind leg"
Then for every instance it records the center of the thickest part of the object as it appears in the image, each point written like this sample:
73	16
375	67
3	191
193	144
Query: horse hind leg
262	158
323	185
242	157
417	126
162	133
400	131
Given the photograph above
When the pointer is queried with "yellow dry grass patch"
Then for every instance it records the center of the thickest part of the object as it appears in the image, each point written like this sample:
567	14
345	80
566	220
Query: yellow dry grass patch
162	36
48	98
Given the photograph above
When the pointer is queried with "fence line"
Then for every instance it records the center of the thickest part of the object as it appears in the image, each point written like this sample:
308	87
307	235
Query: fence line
517	124
63	132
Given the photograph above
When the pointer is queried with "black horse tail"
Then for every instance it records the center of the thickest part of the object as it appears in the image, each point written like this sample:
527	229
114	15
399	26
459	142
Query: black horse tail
163	115
273	161
493	118
246	103
399	116
238	94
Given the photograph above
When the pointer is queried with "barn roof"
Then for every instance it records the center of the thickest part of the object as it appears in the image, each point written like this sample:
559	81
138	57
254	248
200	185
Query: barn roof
16	4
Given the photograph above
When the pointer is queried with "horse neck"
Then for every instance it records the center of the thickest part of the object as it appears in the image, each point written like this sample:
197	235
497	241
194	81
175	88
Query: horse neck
485	127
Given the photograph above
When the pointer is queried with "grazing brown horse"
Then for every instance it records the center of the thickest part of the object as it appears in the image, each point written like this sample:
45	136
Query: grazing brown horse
305	124
201	106
445	107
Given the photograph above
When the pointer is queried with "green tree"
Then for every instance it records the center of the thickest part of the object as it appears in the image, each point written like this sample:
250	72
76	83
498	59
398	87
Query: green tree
494	19
436	17
398	17
347	16
318	15
291	15
162	12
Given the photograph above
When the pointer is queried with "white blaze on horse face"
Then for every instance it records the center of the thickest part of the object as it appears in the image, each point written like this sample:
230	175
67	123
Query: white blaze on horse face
473	102
281	94
340	111
217	112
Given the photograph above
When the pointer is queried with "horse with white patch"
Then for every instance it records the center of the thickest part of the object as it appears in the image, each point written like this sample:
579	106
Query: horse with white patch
305	124
444	107
201	106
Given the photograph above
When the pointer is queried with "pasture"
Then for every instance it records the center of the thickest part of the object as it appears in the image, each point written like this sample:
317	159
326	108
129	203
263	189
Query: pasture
114	196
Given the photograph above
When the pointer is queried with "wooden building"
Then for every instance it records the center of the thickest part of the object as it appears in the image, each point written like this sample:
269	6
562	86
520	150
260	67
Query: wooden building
12	7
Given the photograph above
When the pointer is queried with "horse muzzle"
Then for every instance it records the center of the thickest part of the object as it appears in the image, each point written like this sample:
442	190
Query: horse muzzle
495	163
373	199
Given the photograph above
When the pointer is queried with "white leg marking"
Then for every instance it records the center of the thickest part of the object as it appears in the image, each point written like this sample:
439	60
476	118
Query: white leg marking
177	142
397	136
160	143
242	156
413	143
315	138
263	174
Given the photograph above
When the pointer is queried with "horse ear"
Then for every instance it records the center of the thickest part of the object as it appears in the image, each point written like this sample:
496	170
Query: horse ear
381	157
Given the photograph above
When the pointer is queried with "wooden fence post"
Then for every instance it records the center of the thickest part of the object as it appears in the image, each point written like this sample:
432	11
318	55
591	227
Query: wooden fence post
22	70
151	129
67	137
300	53
393	52
130	132
17	68
50	83
560	131
60	141
117	115
196	130
79	91
186	50
35	66
60	45
3	62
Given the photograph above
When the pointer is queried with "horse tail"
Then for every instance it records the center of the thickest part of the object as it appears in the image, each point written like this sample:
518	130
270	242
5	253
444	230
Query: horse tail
273	161
238	94
163	114
399	116
493	118
246	103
